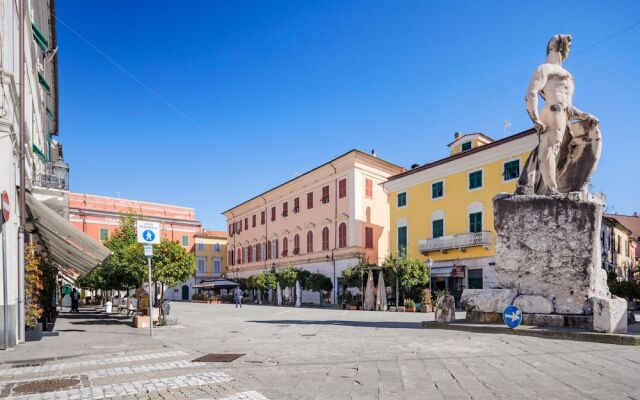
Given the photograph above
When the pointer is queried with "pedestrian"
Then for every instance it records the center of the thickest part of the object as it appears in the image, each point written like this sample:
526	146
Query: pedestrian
75	299
237	295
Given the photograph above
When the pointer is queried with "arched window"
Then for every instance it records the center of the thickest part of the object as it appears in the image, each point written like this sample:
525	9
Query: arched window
309	242
258	252
296	244
269	250
342	235
325	238
285	247
250	254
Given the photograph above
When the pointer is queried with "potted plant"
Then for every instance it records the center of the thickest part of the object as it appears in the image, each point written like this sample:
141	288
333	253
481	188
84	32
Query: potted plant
409	305
32	294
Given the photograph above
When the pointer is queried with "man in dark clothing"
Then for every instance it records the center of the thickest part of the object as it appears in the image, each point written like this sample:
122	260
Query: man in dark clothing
75	299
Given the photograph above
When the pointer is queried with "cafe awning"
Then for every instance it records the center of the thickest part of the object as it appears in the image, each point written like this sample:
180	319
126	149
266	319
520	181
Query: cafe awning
66	244
217	284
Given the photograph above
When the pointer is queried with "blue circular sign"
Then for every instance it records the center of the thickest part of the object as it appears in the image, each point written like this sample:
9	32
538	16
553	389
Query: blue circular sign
148	235
512	316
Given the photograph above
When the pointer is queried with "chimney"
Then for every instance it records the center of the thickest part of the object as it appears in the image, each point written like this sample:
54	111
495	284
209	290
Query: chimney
456	135
373	153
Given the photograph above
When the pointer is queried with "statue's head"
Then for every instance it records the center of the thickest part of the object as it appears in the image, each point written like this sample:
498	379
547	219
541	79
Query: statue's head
561	44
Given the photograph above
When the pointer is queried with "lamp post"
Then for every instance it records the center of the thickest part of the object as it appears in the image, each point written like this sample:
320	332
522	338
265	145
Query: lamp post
429	264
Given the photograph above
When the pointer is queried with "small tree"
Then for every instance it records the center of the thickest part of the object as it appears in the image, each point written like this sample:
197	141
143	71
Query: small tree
32	286
287	277
409	272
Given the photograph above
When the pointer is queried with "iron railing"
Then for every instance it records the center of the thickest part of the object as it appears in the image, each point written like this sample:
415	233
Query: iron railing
460	241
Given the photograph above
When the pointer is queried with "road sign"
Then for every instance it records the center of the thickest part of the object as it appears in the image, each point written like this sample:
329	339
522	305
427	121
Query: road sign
512	316
148	250
148	232
6	207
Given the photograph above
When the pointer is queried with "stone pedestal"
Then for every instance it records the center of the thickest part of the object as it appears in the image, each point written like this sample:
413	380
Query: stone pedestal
609	315
549	246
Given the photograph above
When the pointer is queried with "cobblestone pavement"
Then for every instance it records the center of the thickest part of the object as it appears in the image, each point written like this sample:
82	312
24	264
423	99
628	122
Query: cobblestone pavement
315	354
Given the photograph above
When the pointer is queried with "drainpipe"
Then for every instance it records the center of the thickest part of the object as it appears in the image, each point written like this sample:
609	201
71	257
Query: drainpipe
335	233
22	190
266	232
232	261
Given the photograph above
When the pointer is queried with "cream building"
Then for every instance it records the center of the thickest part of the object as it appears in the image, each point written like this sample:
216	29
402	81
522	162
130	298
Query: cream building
323	220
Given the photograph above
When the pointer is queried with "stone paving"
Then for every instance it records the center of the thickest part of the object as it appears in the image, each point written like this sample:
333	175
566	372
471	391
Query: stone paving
322	354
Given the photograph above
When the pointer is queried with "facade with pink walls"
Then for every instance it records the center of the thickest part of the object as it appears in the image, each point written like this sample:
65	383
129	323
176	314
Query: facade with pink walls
99	216
322	221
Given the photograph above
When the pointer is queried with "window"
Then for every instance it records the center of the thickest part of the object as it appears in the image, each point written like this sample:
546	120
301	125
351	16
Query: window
246	223
239	256
185	240
325	238
437	226
216	247
202	265
402	240
475	279
466	146
285	247
274	248
217	266
511	170
200	246
342	188
253	221
296	205
325	195
309	200
258	252
309	242
368	237
475	180
273	213
296	244
250	251
437	190
285	209
263	250
104	234
231	230
368	187
475	222
402	199
263	217
342	235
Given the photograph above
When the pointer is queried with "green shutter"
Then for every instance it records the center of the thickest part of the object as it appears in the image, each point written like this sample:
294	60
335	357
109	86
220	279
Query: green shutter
39	152
466	146
185	240
44	83
50	113
438	228
475	222
40	39
402	241
475	180
402	199
437	190
511	170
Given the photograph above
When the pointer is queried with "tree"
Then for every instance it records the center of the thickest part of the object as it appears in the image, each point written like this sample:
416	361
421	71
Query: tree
409	272
287	277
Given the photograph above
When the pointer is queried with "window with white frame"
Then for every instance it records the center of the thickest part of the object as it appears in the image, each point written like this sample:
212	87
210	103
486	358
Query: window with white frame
217	266
200	246
216	247
202	265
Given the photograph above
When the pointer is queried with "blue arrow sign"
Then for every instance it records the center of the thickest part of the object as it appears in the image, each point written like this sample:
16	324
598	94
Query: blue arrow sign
148	235
512	316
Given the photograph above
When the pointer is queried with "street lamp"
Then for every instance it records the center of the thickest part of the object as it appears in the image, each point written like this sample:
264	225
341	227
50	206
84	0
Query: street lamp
60	170
429	264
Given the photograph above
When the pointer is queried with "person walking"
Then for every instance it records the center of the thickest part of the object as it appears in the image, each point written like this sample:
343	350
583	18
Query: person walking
75	299
237	295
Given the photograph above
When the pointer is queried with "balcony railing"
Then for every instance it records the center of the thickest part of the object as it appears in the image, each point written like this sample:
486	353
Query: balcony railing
451	242
51	182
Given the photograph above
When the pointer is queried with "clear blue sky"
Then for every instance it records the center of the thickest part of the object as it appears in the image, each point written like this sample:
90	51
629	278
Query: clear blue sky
247	94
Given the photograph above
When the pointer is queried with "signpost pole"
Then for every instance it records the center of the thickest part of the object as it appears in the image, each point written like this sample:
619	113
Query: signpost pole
150	298
5	297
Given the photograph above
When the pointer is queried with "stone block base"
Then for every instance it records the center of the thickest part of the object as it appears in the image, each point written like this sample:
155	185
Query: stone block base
609	315
543	320
487	300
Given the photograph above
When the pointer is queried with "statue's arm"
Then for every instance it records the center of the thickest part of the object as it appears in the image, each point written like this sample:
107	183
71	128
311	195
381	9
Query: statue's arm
538	80
581	115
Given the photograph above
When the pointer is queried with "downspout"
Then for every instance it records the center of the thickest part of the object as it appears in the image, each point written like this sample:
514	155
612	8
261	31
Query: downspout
266	233
335	233
232	261
22	189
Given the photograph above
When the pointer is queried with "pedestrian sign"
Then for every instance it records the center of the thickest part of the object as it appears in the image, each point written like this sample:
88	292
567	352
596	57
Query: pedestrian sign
148	232
512	316
148	250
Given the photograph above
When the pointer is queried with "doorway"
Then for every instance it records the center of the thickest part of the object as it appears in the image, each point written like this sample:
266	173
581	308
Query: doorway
185	292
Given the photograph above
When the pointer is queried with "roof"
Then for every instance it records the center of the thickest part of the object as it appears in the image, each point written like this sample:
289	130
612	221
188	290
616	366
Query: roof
463	154
482	135
631	222
366	155
208	233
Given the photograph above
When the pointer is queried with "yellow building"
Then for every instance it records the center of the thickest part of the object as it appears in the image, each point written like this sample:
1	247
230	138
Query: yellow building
443	209
211	254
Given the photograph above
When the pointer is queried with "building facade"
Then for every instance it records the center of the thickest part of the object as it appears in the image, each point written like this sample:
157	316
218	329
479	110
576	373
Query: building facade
632	223
323	221
99	216
618	248
210	249
443	210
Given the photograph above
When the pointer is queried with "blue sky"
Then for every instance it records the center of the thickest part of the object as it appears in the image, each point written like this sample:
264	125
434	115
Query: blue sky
271	89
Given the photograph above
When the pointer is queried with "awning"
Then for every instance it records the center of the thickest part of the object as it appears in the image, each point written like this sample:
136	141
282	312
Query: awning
66	244
217	284
442	271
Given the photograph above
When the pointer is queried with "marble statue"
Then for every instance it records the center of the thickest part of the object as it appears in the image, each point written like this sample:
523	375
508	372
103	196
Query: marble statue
569	139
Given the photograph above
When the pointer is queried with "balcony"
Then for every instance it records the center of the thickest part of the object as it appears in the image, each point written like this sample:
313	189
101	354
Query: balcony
56	176
458	242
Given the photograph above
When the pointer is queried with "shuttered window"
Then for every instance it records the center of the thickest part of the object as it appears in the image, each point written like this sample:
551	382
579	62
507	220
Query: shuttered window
342	235
309	242
437	227
402	241
368	237
325	238
342	188
309	200
368	187
475	222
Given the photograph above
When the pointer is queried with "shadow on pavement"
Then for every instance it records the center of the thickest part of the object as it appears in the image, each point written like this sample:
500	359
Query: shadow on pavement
361	324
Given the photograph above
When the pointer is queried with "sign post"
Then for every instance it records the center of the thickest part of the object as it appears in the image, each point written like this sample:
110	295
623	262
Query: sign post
5	206
512	316
149	234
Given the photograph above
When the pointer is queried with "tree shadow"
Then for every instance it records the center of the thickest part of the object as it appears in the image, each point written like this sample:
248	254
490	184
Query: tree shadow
358	324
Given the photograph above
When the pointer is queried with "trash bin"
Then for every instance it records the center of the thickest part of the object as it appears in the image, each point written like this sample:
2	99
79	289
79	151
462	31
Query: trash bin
107	307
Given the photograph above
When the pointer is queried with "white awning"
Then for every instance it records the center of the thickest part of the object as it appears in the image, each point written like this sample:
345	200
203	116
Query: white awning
67	245
441	271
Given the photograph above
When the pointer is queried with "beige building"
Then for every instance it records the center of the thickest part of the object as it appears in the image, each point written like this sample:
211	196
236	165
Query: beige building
323	220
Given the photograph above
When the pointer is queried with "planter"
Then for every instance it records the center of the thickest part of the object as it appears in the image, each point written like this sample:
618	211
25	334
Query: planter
352	307
410	309
33	335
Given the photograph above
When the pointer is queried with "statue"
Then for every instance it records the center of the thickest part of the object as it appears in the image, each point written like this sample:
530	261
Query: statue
569	139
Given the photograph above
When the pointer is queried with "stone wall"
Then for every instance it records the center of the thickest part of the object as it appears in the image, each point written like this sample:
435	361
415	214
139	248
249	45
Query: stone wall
550	246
